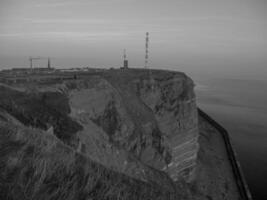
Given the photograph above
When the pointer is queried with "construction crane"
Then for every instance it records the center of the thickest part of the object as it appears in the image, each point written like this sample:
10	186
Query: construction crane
31	59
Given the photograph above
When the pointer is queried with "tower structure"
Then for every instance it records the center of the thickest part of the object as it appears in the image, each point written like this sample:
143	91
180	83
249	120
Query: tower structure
48	64
31	66
146	53
125	61
151	80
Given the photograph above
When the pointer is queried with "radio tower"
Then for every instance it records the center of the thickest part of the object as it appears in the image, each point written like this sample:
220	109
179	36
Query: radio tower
151	80
146	56
124	54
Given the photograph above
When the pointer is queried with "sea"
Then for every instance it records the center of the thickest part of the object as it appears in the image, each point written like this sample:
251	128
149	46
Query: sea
240	106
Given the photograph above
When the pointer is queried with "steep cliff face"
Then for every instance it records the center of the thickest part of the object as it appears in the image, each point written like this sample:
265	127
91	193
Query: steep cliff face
172	100
118	134
110	134
121	119
138	122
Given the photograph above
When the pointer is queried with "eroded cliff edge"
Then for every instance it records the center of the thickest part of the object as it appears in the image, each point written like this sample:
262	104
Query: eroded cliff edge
137	131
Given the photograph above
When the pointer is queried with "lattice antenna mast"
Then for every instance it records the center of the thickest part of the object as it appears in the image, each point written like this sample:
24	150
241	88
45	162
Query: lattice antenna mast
146	56
151	80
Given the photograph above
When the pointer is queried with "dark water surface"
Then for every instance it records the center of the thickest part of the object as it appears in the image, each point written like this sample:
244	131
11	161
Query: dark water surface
241	107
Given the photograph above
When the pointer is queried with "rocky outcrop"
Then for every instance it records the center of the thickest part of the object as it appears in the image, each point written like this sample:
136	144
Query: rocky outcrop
42	110
138	122
124	120
111	135
116	134
172	100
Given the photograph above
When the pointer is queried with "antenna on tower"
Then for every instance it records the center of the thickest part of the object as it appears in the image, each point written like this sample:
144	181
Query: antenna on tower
151	80
48	63
146	56
124	54
125	61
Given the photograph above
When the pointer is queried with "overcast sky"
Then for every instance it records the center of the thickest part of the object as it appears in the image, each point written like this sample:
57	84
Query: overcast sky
225	36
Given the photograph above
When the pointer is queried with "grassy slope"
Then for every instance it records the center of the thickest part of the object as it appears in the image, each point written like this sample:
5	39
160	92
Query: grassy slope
36	165
41	110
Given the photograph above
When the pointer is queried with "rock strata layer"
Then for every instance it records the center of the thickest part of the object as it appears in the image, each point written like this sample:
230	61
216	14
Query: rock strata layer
135	123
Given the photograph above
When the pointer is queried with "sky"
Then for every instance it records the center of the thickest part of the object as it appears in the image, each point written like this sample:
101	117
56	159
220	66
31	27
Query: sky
227	37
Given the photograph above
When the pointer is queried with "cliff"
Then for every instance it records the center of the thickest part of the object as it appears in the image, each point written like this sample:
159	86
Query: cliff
137	121
36	165
117	134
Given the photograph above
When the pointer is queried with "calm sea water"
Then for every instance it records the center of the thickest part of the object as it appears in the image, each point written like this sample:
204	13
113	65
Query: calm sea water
241	107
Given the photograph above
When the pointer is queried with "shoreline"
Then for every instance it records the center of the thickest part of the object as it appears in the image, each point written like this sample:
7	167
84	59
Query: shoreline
237	171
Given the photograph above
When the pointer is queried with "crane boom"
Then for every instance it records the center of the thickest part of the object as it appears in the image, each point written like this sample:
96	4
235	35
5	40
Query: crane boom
31	59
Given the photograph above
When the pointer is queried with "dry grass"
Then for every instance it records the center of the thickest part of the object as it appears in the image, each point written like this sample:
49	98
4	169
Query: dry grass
35	165
40	110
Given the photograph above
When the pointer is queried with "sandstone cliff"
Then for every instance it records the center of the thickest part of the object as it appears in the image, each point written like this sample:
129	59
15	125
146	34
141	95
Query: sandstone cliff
117	134
135	123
